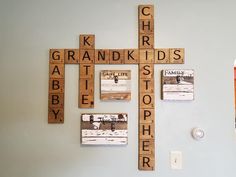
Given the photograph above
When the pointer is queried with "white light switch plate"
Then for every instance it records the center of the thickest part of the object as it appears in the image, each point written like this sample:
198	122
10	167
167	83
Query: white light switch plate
176	160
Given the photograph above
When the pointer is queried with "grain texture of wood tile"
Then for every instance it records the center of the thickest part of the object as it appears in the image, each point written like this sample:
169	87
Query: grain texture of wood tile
177	55
102	56
87	41
56	56
71	56
131	56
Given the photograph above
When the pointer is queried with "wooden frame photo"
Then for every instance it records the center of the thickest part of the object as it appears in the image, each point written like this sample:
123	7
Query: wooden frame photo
104	129
178	84
115	85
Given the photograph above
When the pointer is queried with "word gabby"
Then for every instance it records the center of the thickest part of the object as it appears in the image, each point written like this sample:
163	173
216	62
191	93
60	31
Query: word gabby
87	56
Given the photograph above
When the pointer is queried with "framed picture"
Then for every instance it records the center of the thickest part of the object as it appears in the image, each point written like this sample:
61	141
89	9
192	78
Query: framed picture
104	129
177	84
115	85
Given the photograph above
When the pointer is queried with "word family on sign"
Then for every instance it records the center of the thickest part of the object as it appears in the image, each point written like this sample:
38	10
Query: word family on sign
87	56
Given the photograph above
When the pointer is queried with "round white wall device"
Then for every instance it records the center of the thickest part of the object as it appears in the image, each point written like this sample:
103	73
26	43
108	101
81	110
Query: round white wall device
198	133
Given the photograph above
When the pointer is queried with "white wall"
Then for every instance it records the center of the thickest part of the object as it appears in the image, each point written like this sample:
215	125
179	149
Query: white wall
30	147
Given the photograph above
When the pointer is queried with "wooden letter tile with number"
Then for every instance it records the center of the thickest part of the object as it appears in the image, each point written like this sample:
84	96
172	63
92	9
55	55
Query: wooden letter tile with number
131	56
146	26
56	100
146	85
86	100
147	162
86	86
86	71
146	71
146	41
102	56
146	146
146	100
86	56
56	85
71	56
56	71
116	56
162	56
87	41
146	131
146	56
56	56
146	116
146	12
177	55
55	115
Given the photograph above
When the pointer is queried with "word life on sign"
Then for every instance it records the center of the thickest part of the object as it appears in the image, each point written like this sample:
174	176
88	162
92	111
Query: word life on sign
115	85
177	84
87	56
104	129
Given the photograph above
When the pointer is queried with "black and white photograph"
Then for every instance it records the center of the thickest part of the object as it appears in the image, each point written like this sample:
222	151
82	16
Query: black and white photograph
177	84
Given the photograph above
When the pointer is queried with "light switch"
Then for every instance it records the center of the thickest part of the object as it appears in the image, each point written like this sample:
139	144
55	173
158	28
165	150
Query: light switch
176	160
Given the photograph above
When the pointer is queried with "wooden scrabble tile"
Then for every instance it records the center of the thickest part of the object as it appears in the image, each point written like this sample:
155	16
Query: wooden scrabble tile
162	56
147	162
146	12
86	71
56	85
146	146
56	100
116	56
146	116
86	100
56	56
71	56
86	85
146	56
56	71
177	55
146	85
102	56
146	41
86	56
87	41
131	56
146	100
146	131
146	26
146	71
55	115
